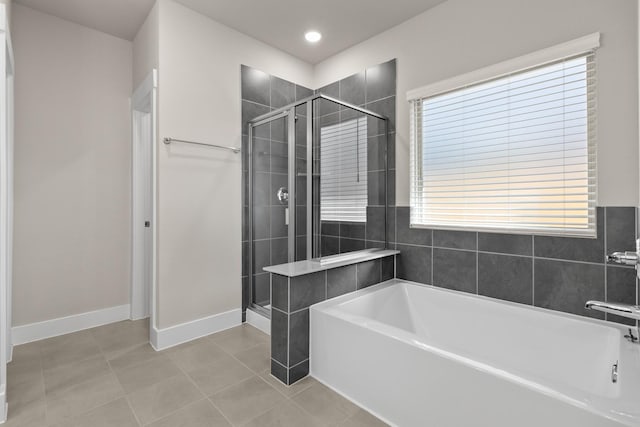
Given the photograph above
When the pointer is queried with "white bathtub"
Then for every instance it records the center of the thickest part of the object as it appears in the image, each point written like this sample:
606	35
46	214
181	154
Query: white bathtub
417	355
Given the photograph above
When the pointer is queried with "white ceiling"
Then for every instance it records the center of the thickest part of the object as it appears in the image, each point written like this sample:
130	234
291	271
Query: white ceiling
120	18
280	23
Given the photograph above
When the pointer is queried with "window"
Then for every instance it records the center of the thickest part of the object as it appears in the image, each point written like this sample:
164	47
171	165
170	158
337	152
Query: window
343	171
515	153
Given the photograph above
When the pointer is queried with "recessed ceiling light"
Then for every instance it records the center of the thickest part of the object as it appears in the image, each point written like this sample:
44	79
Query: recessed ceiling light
313	36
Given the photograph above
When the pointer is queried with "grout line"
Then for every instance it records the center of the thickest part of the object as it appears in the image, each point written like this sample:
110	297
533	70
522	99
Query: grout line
533	270
477	265
606	287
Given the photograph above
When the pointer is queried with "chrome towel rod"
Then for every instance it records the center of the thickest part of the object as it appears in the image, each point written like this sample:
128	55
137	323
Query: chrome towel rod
168	140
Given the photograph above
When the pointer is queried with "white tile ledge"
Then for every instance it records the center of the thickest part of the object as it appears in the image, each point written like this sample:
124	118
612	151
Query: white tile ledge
300	268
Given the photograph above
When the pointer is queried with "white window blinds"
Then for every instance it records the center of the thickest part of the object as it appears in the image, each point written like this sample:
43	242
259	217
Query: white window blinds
515	154
343	171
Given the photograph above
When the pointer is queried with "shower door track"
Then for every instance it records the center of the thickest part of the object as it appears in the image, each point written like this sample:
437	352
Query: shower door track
289	111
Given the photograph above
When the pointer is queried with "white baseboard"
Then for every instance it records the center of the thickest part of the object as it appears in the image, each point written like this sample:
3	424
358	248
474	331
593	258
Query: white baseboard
257	320
65	325
3	404
162	339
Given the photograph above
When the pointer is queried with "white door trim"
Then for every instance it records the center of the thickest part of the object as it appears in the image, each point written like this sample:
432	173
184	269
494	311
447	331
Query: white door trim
144	100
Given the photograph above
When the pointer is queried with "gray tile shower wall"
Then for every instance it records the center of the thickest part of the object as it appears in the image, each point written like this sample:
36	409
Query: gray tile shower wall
374	89
262	93
292	297
558	273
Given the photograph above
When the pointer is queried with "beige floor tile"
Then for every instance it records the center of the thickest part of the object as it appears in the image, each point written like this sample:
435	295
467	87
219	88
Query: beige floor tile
74	373
24	395
363	419
29	352
220	374
240	338
257	358
66	403
68	349
285	414
199	414
135	356
116	338
163	398
324	404
197	355
113	414
146	374
19	372
30	415
246	400
291	390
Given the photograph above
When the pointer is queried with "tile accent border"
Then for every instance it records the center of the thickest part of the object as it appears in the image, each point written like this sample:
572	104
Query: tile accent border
291	298
65	325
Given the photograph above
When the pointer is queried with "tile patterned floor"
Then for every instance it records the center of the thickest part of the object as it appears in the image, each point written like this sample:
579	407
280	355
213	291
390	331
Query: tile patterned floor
110	376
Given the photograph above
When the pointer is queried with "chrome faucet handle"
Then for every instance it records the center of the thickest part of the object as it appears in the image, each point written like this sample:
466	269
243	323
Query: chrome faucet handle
626	257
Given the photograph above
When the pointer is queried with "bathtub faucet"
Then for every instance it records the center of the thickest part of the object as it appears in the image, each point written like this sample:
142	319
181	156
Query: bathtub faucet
627	257
624	310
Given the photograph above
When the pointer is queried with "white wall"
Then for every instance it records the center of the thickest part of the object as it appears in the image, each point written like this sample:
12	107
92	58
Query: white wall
199	188
145	48
72	168
459	36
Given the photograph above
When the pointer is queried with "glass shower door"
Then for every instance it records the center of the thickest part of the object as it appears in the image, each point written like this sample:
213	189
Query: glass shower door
269	204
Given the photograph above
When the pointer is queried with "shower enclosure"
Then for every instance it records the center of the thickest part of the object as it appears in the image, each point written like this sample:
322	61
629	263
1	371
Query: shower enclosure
317	186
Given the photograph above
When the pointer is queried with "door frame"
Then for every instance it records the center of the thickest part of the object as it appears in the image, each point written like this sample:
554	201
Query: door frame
144	166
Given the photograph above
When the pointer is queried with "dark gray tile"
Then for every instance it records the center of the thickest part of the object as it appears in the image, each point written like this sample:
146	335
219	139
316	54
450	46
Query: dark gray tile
391	188
351	245
279	251
280	130
621	287
330	228
573	248
280	292
282	92
454	269
391	151
376	223
307	290
621	229
567	286
341	280
329	245
506	277
255	85
277	220
302	92
298	372
279	331
369	273
298	337
246	268
301	137
329	119
376	188
261	222
323	106
352	230
454	239
391	224
301	248
388	268
385	107
279	157
517	244
246	293
376	153
261	255
352	89
262	289
381	80
414	236
414	263
261	189
301	221
301	190
279	371
261	155
251	110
